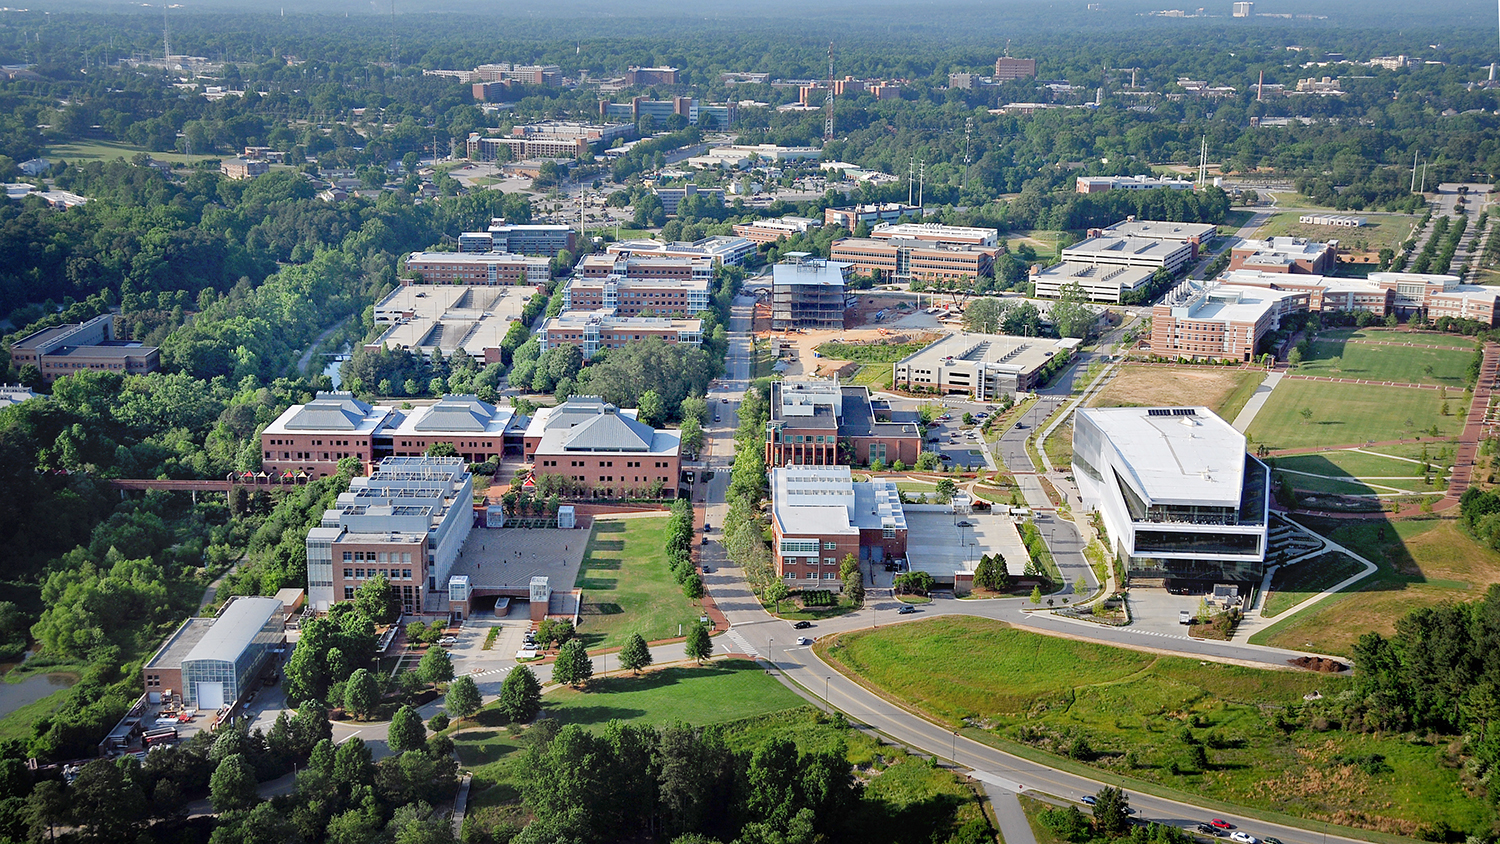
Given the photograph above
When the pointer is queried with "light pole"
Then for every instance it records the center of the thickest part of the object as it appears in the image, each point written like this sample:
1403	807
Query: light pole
825	692
953	756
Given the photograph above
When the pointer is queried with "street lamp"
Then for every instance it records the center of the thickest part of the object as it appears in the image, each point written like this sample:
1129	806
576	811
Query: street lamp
953	756
825	692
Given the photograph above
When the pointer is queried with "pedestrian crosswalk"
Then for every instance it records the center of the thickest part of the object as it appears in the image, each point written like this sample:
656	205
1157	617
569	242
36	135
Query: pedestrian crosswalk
740	644
492	672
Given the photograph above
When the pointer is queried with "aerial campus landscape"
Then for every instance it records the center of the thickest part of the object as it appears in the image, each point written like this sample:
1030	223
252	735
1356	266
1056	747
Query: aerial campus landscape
1012	422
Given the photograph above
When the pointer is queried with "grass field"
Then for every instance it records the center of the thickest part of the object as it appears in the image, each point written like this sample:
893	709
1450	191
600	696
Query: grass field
1223	391
1421	563
1343	472
1126	712
1059	446
1379	230
627	587
107	150
1350	354
1296	583
904	798
1351	414
876	376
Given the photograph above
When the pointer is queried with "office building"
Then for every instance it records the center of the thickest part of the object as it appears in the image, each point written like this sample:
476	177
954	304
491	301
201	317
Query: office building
625	266
885	212
1285	255
213	662
532	239
822	423
660	111
814	93
477	268
672	197
1100	282
406	522
628	297
936	233
66	349
727	250
1196	234
12	394
1099	184
1181	501
240	169
770	231
651	76
1244	9
1008	69
740	156
985	366
546	140
901	259
592	331
429	318
820	515
1115	251
604	450
808	292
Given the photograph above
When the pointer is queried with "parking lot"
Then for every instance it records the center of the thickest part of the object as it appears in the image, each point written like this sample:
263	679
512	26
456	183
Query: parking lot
1157	611
962	444
469	655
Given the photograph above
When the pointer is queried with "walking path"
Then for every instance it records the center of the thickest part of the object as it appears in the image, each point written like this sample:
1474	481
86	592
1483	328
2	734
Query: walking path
1366	381
1468	442
1257	401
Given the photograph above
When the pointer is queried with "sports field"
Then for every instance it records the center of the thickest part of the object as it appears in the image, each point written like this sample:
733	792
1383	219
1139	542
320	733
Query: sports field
107	150
1352	414
1369	355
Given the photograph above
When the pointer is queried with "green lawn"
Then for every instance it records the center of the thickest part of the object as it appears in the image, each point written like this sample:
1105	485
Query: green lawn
1296	583
105	150
1351	414
1121	714
1354	464
627	587
1379	230
876	376
1341	354
715	693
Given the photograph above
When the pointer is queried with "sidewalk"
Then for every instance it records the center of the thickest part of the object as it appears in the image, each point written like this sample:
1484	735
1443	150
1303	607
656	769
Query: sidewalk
1257	401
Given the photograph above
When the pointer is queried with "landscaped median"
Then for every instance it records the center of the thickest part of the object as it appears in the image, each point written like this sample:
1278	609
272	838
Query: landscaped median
1222	736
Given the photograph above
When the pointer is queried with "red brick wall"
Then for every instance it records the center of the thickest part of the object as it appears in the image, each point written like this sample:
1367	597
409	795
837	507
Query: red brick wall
612	475
316	454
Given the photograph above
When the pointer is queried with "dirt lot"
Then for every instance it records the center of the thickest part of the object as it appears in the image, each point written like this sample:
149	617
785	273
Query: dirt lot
1141	386
864	311
803	343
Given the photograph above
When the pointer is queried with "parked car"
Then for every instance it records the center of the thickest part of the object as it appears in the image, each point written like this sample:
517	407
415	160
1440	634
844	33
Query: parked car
906	609
448	640
802	625
705	540
1184	617
1243	837
724	400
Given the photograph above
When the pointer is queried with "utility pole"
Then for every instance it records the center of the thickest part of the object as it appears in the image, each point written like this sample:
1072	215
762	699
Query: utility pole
911	175
1414	171
921	181
166	35
828	118
1424	177
1203	163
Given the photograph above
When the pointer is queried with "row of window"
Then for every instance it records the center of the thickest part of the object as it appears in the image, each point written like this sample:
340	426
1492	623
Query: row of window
374	557
388	574
607	464
812	561
311	455
316	442
812	575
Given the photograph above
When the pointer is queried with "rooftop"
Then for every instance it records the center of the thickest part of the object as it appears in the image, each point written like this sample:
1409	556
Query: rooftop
826	500
450	317
590	424
458	414
1162	230
181	643
234	629
1000	351
1108	245
330	412
1176	455
1286	247
804	270
936	232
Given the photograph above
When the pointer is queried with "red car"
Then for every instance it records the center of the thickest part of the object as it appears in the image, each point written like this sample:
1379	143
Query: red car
1220	823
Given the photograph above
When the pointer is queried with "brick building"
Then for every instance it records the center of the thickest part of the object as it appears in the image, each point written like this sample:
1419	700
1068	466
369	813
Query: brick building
489	268
66	349
820	423
820	515
651	76
770	231
1285	255
626	266
629	297
721	249
1099	184
604	449
1008	69
901	259
886	212
595	330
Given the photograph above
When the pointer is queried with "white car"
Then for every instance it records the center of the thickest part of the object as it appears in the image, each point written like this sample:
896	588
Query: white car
448	640
1243	837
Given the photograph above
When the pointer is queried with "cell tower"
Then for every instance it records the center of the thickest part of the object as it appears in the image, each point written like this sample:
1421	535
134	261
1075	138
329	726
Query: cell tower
968	138
828	118
395	49
166	35
1203	163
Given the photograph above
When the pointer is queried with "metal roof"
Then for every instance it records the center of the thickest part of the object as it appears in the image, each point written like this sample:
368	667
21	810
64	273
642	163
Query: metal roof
234	629
329	412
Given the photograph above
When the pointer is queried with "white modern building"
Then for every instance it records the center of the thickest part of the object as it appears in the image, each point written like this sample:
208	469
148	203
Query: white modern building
1182	502
984	366
1113	250
1100	282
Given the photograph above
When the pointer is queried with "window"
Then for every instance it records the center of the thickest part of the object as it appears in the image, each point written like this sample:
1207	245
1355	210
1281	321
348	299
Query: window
359	574
406	573
830	561
348	574
347	557
791	575
829	575
888	532
830	546
348	593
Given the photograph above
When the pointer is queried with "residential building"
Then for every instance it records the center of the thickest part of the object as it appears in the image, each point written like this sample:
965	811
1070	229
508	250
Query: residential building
604	328
532	238
1008	69
820	515
1244	9
885	212
1114	251
66	349
727	250
477	268
1181	501
823	423
406	523
808	292
672	197
1099	184
983	365
244	168
651	76
1285	255
770	231
631	297
1100	282
604	449
901	259
1196	234
432	318
213	662
936	233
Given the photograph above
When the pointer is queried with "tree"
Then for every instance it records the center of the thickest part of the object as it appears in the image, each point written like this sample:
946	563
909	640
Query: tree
1111	811
106	802
1036	594
1294	357
946	489
406	731
854	587
46	807
1306	413
377	599
442	450
362	694
991	573
436	666
776	593
573	666
232	786
983	316
1071	315
699	646
520	694
635	655
463	697
651	409
927	461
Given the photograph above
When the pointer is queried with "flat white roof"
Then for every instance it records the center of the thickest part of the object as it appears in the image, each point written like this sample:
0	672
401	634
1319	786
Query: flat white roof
450	316
1003	351
1176	455
234	629
1162	230
825	500
1111	245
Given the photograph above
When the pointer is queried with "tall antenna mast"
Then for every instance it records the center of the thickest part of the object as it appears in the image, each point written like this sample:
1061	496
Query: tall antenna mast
166	35
828	119
968	137
921	182
911	176
395	51
1203	163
